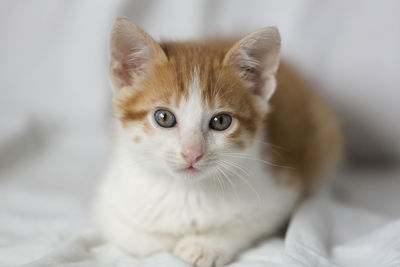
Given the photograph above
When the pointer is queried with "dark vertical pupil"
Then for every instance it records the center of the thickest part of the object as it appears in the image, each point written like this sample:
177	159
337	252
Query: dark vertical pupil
221	120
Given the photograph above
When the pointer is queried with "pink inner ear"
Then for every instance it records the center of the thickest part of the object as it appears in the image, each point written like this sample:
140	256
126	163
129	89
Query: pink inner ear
259	75
257	57
119	75
128	58
259	86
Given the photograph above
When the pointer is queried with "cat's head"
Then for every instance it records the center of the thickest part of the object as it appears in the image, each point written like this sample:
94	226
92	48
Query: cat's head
185	107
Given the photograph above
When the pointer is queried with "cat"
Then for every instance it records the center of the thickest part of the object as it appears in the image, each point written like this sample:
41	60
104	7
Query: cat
207	157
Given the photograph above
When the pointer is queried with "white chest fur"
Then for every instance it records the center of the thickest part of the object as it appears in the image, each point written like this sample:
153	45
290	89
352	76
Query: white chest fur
160	204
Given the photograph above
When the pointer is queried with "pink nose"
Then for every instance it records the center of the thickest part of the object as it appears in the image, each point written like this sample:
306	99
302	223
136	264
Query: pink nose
192	156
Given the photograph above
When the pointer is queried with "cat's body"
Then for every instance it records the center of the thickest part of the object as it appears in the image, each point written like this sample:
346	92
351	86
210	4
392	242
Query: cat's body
222	173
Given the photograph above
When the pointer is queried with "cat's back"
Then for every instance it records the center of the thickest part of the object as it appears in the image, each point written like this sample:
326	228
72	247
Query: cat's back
303	130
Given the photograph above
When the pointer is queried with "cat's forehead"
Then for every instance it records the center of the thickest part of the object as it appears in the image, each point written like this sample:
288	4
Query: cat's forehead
200	66
196	67
193	80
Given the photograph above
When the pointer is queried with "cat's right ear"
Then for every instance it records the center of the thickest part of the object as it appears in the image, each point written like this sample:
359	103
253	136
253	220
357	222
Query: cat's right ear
256	57
131	52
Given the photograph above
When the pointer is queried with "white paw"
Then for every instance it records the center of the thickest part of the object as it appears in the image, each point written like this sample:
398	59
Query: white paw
202	252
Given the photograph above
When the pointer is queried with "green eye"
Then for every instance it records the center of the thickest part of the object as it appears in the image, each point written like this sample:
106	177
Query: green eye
165	118
220	122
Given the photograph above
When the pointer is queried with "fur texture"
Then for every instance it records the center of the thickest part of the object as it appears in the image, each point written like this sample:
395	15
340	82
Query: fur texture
244	181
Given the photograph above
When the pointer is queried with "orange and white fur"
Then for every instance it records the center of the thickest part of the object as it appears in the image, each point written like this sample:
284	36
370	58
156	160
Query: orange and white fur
209	155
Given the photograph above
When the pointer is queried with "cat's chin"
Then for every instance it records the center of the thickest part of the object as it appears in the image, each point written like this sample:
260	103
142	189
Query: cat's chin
190	171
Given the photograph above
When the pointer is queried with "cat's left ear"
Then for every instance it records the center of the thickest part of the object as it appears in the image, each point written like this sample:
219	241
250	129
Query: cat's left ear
256	57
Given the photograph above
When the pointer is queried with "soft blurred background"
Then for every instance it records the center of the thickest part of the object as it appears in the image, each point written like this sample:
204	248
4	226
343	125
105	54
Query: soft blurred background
55	97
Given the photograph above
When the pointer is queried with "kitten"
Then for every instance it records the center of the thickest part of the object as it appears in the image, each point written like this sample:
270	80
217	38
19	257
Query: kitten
207	157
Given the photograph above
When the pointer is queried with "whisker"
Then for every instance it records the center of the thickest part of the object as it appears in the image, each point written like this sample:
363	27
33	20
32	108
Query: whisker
220	184
237	166
230	182
244	181
274	149
270	144
246	156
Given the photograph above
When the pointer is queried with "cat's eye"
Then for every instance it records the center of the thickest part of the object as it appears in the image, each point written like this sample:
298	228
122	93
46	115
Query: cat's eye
220	122
165	118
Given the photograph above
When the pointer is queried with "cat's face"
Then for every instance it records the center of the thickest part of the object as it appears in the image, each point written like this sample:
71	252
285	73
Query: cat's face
189	127
188	108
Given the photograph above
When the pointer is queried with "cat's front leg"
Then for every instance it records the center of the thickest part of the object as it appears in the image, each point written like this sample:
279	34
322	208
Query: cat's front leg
140	243
215	248
129	238
203	250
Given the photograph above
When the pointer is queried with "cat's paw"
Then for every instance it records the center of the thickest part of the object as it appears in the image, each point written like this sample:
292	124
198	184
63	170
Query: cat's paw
202	252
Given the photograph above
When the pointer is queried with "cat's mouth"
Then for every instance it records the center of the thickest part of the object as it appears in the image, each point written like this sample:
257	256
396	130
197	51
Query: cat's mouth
191	169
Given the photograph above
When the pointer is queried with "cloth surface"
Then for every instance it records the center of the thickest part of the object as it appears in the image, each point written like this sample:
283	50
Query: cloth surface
54	113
